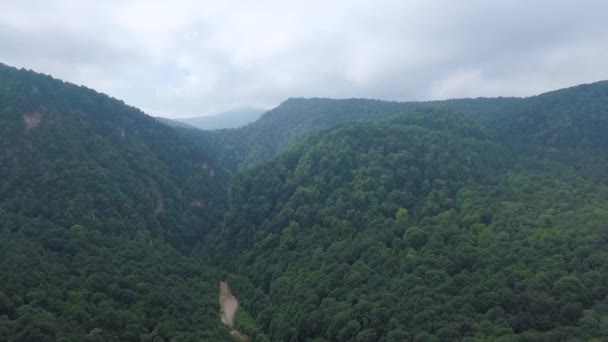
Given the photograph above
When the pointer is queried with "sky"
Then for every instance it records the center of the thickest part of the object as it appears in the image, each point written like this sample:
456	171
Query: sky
185	58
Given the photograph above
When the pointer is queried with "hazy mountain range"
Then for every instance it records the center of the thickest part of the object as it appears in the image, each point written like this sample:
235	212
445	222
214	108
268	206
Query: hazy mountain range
330	220
229	119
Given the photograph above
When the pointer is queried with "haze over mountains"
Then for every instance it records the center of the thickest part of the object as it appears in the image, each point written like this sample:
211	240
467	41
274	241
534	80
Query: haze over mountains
331	220
229	119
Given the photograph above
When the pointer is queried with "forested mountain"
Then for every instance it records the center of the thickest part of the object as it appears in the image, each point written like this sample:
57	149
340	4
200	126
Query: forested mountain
332	220
89	158
290	122
296	119
570	116
173	123
96	198
422	228
229	119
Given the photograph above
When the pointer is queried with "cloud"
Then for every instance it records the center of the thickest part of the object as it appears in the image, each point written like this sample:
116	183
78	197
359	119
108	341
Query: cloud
187	57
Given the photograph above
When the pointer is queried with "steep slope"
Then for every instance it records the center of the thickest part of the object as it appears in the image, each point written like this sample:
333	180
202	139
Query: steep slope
95	199
421	228
229	119
77	156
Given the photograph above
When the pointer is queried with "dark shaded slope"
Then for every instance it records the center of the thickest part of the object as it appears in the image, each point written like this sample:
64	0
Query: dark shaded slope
572	117
96	199
79	157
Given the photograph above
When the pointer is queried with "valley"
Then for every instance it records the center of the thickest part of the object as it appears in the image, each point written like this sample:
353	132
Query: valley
329	220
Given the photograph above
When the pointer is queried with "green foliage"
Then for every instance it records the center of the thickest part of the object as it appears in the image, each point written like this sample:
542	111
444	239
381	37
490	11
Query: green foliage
96	198
105	286
297	119
90	160
421	229
369	220
402	217
572	117
248	326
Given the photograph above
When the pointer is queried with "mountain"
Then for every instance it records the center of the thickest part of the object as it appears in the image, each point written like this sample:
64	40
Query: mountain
173	123
329	220
571	117
424	227
99	206
564	115
297	119
54	132
229	119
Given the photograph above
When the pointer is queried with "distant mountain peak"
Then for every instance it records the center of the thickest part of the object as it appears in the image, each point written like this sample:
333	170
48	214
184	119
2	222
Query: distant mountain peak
232	118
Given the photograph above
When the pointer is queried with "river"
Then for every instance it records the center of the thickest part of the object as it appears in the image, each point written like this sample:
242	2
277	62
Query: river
228	306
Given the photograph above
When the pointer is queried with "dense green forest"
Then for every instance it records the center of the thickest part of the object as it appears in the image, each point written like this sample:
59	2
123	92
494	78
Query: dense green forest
332	220
297	119
482	225
101	208
396	231
568	117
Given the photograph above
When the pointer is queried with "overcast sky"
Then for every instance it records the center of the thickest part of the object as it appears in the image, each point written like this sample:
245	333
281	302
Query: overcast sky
189	58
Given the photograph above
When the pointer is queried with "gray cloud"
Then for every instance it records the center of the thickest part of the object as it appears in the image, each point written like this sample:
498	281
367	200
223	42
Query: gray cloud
187	57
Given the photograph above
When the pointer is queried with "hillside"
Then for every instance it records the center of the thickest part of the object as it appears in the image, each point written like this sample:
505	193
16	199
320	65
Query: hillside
575	117
297	119
173	123
112	155
229	119
567	117
96	200
328	220
421	228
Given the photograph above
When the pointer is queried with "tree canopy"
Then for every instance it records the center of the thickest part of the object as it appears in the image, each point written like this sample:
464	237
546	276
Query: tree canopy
332	220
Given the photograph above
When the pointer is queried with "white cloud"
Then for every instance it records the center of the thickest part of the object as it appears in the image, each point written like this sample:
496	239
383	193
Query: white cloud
188	57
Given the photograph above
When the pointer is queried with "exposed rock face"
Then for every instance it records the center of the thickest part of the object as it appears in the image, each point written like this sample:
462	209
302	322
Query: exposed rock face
32	120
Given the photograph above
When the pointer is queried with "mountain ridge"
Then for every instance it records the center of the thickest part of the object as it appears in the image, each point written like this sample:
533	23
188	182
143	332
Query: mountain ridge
99	207
296	119
332	220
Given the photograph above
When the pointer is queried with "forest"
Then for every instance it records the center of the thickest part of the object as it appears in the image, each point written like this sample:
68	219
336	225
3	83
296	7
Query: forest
332	220
101	208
